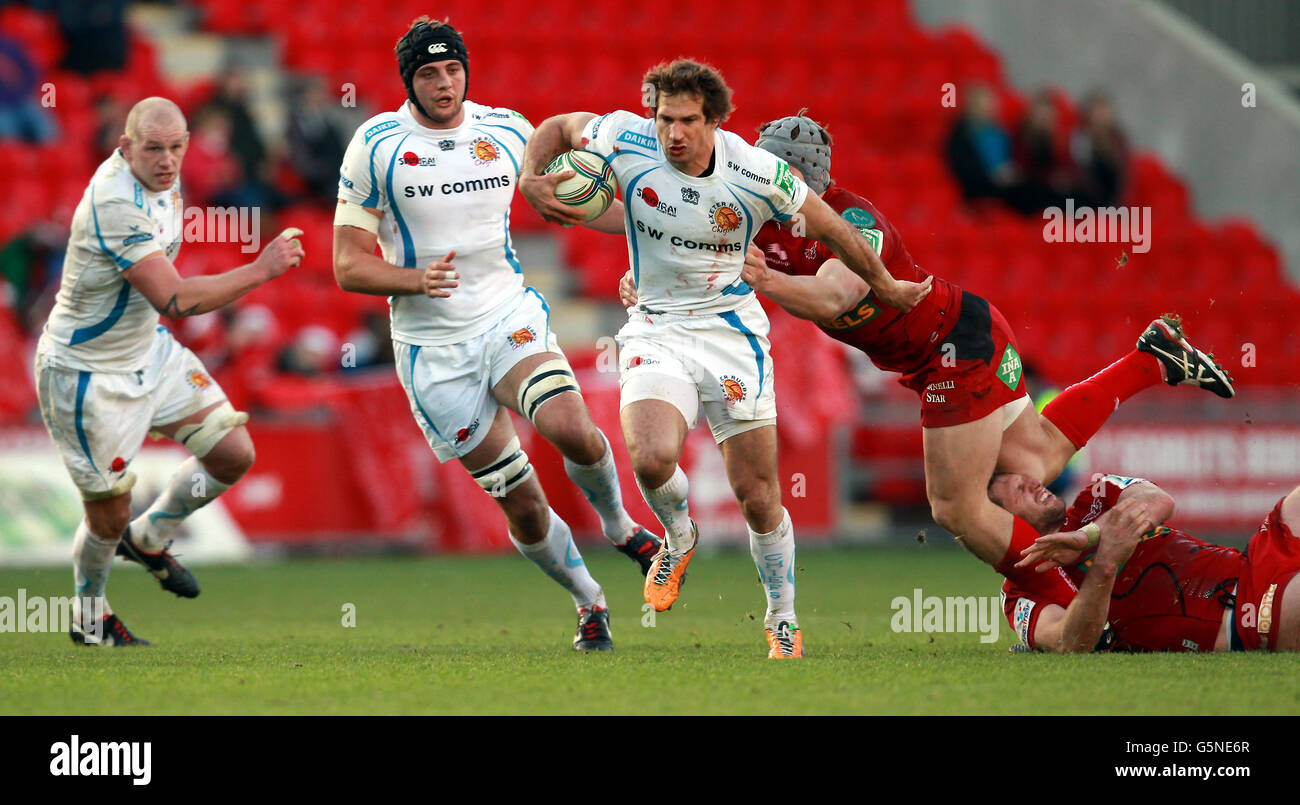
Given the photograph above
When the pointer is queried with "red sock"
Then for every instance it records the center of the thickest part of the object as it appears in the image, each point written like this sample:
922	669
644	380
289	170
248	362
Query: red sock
1022	536
1081	410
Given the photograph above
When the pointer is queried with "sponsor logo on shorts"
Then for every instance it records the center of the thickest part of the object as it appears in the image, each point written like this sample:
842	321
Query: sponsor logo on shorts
413	159
522	336
935	398
118	465
733	389
640	361
464	433
1266	610
198	380
726	217
1024	608
1009	368
651	198
690	195
483	151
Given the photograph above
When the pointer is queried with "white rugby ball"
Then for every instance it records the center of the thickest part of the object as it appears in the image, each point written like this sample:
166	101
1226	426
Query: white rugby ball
592	190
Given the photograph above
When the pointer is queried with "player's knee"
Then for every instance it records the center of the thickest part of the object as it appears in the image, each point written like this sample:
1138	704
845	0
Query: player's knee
527	512
653	468
758	496
109	522
229	462
577	439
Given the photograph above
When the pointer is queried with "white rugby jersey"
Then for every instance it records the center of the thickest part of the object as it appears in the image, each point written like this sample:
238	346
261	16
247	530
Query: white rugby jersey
687	235
439	190
100	323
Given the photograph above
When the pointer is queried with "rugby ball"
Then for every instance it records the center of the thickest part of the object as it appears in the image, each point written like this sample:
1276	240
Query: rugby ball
592	190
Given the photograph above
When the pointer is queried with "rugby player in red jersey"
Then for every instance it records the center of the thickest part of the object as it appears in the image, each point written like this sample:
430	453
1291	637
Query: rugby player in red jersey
953	349
1116	577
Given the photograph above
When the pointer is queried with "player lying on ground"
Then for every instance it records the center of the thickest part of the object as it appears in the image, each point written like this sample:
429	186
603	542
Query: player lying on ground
1118	577
695	195
107	373
953	349
431	184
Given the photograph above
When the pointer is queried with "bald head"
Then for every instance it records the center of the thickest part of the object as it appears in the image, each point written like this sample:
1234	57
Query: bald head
154	142
153	114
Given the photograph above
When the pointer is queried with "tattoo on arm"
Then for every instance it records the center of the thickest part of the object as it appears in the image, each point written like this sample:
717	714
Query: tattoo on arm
172	311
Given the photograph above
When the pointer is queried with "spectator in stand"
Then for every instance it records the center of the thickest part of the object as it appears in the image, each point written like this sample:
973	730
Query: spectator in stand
95	33
21	117
314	351
211	169
110	122
1100	151
30	266
231	100
372	341
979	148
318	142
1042	159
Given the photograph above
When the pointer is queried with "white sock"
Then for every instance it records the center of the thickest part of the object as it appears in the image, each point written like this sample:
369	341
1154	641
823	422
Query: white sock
558	558
773	553
191	487
668	502
92	558
599	483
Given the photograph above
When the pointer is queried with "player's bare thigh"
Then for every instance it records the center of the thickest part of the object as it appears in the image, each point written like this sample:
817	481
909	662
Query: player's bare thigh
655	432
563	419
959	462
230	457
1288	615
1035	447
750	459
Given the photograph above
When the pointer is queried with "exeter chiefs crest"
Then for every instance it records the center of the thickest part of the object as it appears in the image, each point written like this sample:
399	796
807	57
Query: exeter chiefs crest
483	151
725	217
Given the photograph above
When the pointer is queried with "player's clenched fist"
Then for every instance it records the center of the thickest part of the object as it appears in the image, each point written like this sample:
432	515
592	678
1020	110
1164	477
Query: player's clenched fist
539	191
440	276
755	268
627	290
282	253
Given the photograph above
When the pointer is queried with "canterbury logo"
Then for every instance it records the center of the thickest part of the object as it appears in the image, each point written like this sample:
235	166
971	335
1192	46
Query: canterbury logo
438	47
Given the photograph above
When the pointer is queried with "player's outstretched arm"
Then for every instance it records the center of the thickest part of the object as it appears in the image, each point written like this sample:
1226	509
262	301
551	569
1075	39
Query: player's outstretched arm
176	297
553	137
833	290
1078	627
821	223
358	269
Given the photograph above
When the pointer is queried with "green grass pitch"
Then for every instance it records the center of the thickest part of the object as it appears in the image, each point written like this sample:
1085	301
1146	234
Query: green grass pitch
492	635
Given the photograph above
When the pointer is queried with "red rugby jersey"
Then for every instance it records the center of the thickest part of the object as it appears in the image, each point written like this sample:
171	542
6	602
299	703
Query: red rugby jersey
894	341
1169	596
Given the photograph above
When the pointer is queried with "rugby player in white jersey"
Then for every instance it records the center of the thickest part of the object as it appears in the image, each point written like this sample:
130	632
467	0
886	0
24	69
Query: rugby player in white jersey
695	196
107	373
431	184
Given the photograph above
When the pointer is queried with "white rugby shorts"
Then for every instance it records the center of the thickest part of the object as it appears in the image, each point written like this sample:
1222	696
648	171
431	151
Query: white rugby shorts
450	385
98	420
726	358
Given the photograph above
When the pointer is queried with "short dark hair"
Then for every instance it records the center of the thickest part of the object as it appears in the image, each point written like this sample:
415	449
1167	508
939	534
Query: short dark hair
685	76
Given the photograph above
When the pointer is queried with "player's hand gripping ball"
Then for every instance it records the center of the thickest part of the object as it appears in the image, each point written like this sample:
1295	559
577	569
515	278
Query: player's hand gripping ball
591	190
